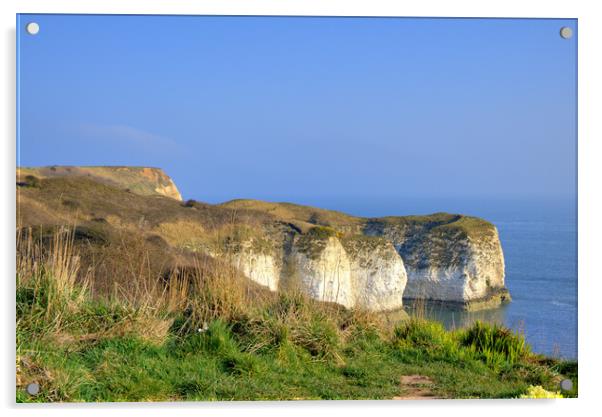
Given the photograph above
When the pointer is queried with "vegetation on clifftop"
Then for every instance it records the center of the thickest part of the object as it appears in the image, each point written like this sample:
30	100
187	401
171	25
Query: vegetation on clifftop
140	180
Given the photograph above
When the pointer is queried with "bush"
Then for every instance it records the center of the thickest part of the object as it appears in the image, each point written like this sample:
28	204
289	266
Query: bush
30	181
320	338
495	343
421	333
189	203
323	232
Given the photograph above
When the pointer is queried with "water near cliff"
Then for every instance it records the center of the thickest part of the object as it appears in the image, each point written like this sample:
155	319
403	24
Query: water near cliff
539	239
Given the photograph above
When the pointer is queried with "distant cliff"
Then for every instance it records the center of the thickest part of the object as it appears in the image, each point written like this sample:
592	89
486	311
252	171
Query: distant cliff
372	263
139	180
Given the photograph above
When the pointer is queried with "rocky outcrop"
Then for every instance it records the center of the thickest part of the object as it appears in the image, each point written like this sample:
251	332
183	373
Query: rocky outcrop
259	267
377	271
355	271
448	258
324	270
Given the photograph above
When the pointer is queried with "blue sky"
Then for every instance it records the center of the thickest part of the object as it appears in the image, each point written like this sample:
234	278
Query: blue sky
306	109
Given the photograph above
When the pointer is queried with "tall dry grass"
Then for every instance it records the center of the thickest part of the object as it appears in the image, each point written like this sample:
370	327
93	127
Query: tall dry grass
48	275
51	280
150	301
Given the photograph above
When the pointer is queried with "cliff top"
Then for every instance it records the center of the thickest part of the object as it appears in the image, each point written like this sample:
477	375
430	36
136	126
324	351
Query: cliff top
306	217
139	180
303	216
135	196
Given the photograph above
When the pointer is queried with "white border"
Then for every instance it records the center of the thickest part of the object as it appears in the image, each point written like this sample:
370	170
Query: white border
590	207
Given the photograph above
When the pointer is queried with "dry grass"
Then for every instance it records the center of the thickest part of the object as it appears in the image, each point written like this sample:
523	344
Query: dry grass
200	290
140	180
304	216
131	274
181	233
50	272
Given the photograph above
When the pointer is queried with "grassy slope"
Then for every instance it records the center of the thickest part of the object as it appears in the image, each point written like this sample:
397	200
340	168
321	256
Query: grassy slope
144	344
130	369
219	365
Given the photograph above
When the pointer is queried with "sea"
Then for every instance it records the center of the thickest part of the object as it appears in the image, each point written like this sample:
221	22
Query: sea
539	241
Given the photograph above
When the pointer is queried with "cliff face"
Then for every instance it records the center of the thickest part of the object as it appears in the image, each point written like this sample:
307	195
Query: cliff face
356	262
324	270
262	268
448	258
379	262
378	273
364	272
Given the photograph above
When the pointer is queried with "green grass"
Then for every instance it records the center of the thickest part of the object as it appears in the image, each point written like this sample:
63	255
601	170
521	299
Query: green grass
214	366
288	348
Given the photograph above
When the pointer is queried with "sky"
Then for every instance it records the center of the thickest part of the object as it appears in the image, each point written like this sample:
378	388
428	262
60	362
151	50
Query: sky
304	109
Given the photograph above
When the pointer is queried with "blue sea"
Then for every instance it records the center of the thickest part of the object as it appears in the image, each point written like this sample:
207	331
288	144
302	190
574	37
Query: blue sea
539	240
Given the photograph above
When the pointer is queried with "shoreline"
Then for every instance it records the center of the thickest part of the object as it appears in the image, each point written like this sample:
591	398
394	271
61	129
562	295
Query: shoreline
495	298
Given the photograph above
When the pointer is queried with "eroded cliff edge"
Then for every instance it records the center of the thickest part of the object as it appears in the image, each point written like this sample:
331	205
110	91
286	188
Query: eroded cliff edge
356	262
139	180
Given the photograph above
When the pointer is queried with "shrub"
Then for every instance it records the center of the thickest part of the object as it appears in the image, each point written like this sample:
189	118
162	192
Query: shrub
320	338
29	181
92	233
421	333
495	343
323	232
32	181
292	320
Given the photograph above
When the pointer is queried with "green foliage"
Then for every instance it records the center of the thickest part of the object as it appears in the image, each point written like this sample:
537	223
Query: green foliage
496	344
323	232
420	333
313	242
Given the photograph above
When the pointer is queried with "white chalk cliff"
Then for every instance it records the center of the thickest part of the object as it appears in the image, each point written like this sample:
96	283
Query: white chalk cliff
448	262
455	260
354	272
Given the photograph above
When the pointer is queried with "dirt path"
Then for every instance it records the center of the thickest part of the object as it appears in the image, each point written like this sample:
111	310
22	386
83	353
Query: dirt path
416	387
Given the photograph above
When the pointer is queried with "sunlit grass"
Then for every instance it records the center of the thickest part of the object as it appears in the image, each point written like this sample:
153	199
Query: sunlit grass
203	334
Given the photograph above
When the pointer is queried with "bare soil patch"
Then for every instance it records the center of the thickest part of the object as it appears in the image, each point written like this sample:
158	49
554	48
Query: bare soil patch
416	387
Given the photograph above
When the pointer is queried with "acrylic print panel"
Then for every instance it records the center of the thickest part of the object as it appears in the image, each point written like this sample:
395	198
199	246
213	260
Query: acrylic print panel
295	208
